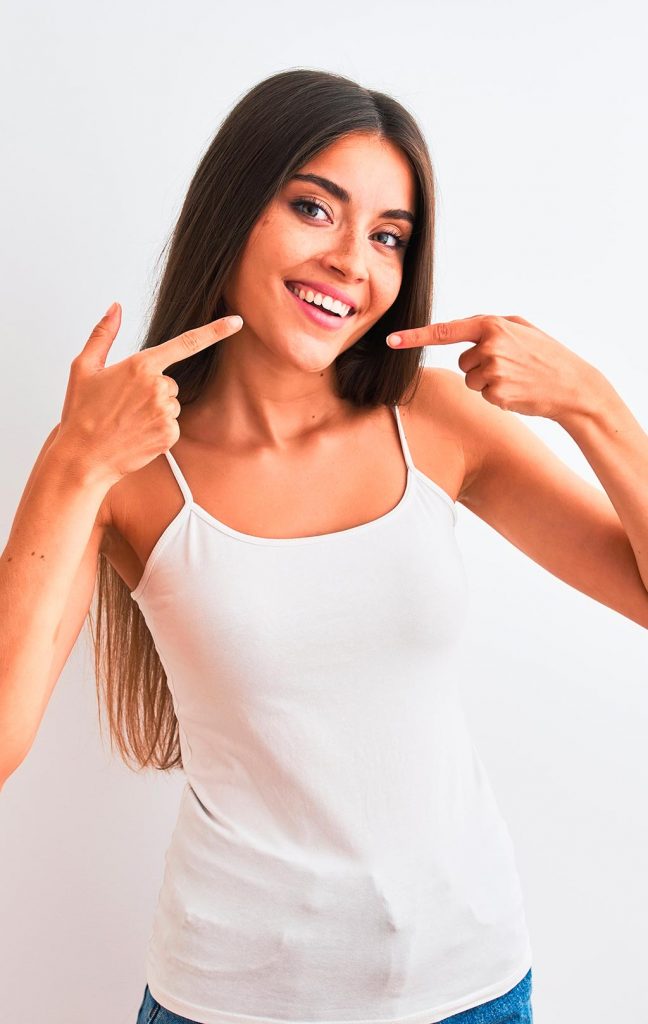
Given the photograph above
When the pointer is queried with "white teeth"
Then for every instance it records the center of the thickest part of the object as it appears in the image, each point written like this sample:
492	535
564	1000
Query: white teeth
318	299
335	305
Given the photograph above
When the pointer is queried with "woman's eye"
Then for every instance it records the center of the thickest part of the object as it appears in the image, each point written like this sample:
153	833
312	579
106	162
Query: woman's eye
392	234
308	202
299	203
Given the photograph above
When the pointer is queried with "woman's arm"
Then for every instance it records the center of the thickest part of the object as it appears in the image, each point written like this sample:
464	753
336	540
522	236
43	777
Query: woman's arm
517	485
616	448
53	548
596	542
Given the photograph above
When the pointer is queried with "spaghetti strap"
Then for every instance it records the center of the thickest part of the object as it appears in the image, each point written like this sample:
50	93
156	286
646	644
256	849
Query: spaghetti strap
406	452
182	483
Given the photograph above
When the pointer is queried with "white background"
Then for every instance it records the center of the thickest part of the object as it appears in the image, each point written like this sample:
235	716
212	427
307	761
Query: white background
535	118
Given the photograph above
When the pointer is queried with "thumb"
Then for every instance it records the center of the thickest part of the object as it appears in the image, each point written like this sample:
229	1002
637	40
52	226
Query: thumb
103	334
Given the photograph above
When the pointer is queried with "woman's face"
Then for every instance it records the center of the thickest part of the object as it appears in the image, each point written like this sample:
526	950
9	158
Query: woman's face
356	246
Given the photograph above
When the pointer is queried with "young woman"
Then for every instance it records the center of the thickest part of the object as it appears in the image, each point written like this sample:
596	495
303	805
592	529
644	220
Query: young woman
270	508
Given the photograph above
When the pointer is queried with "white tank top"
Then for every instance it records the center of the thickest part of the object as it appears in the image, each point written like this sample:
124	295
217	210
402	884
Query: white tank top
339	855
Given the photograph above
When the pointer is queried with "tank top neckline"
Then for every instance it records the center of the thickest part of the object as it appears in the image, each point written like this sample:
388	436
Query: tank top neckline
191	504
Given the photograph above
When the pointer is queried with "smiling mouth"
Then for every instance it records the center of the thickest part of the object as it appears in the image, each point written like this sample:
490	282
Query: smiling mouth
295	288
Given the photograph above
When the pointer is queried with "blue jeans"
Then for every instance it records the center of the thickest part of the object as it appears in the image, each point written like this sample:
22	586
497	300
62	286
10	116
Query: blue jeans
514	1007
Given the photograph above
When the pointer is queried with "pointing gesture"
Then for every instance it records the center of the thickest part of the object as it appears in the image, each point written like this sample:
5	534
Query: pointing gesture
117	419
514	364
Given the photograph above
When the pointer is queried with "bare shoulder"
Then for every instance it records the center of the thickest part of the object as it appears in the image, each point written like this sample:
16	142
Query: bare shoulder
105	522
444	406
134	513
115	517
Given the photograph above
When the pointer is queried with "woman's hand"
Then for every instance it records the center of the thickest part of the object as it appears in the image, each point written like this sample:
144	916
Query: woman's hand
118	418
514	364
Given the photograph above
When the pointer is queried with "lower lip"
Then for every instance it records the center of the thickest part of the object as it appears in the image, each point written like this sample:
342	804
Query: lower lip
333	323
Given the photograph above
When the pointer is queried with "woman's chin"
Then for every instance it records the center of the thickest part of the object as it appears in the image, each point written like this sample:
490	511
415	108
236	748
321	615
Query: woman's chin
309	353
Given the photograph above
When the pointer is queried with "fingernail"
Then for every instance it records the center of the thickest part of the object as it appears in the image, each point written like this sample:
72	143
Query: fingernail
111	309
394	339
234	321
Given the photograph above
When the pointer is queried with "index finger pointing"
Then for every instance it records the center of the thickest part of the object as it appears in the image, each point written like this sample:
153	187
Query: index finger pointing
190	342
446	333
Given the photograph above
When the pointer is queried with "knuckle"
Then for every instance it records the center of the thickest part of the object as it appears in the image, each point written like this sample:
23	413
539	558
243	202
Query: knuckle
443	331
172	385
190	340
136	364
172	433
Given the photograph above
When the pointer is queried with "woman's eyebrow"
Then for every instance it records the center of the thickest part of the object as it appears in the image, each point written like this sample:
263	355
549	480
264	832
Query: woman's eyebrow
345	197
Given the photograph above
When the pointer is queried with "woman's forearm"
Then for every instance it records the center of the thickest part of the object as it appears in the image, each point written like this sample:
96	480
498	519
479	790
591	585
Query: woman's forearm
616	447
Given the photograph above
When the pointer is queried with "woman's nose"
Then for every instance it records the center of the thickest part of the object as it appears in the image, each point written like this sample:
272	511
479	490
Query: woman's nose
349	256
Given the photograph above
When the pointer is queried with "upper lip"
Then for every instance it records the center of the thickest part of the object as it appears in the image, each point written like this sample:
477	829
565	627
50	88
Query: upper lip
327	289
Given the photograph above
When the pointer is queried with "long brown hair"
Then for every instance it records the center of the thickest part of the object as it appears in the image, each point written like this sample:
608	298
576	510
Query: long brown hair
279	125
